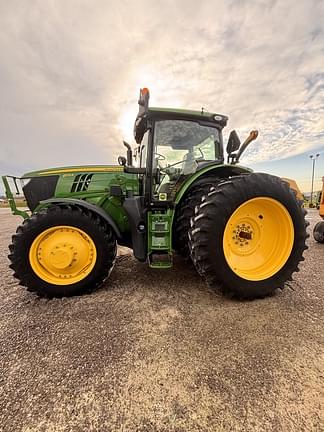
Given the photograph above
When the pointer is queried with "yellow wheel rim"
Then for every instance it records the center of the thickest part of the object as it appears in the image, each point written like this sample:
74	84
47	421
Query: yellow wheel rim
258	238
62	255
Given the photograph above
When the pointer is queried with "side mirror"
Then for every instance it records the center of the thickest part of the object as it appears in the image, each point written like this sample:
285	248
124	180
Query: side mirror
122	160
233	142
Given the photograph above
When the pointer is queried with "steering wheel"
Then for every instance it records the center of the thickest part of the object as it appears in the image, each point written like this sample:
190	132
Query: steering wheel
160	157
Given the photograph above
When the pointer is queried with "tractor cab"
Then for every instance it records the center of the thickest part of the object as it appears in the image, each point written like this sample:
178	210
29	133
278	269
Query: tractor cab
173	145
176	149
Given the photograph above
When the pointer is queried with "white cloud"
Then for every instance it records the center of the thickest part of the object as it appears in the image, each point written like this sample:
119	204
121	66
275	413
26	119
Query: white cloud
70	73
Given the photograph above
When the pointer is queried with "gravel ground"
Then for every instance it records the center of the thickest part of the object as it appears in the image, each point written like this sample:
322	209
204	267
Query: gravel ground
159	351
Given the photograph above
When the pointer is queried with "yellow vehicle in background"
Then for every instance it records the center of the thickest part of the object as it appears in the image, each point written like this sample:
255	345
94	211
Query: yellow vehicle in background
319	227
293	185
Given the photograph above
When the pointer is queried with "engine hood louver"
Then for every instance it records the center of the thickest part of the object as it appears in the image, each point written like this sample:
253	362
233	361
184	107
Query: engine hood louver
81	183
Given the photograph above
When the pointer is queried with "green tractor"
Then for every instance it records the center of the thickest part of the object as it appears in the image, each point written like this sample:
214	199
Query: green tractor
244	232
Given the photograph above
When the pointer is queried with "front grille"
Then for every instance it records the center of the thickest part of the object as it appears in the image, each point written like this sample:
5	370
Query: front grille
81	182
39	189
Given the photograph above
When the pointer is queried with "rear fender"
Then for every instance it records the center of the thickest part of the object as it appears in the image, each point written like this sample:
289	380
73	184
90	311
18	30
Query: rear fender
217	170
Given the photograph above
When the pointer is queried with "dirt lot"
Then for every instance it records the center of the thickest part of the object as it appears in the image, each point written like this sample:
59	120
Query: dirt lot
159	351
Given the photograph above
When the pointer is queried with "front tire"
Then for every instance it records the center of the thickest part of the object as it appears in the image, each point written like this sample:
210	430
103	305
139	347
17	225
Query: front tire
248	235
62	251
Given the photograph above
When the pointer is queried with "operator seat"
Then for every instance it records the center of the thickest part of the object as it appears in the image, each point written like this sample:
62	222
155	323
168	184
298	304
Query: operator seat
189	164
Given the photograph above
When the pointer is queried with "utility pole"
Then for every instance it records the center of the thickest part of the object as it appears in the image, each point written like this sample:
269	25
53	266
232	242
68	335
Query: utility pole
313	159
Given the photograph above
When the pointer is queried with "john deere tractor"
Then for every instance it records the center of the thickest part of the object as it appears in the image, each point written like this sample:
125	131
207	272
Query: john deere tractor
175	193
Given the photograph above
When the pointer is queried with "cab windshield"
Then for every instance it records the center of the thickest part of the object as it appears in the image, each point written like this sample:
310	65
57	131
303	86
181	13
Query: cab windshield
179	147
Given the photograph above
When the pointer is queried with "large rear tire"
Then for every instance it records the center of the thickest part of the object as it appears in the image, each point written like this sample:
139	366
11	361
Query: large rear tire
248	235
62	251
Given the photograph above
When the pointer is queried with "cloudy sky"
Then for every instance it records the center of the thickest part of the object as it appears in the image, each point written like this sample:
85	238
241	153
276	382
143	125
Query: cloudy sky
70	72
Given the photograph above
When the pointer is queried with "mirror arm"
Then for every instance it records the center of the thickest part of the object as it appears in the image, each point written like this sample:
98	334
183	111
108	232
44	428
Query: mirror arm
252	136
232	156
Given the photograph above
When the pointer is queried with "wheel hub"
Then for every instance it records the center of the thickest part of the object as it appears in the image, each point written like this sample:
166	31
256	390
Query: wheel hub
62	255
242	233
245	236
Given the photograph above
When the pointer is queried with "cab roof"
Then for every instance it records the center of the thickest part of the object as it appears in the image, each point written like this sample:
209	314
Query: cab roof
190	114
145	111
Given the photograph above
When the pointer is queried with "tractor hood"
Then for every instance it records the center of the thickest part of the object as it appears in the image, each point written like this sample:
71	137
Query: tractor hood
74	170
73	182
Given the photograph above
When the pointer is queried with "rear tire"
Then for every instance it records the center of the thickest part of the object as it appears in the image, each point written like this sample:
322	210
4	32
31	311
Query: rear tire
185	211
248	235
61	244
318	232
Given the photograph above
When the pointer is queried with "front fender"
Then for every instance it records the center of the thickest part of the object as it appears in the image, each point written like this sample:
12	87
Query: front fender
84	204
